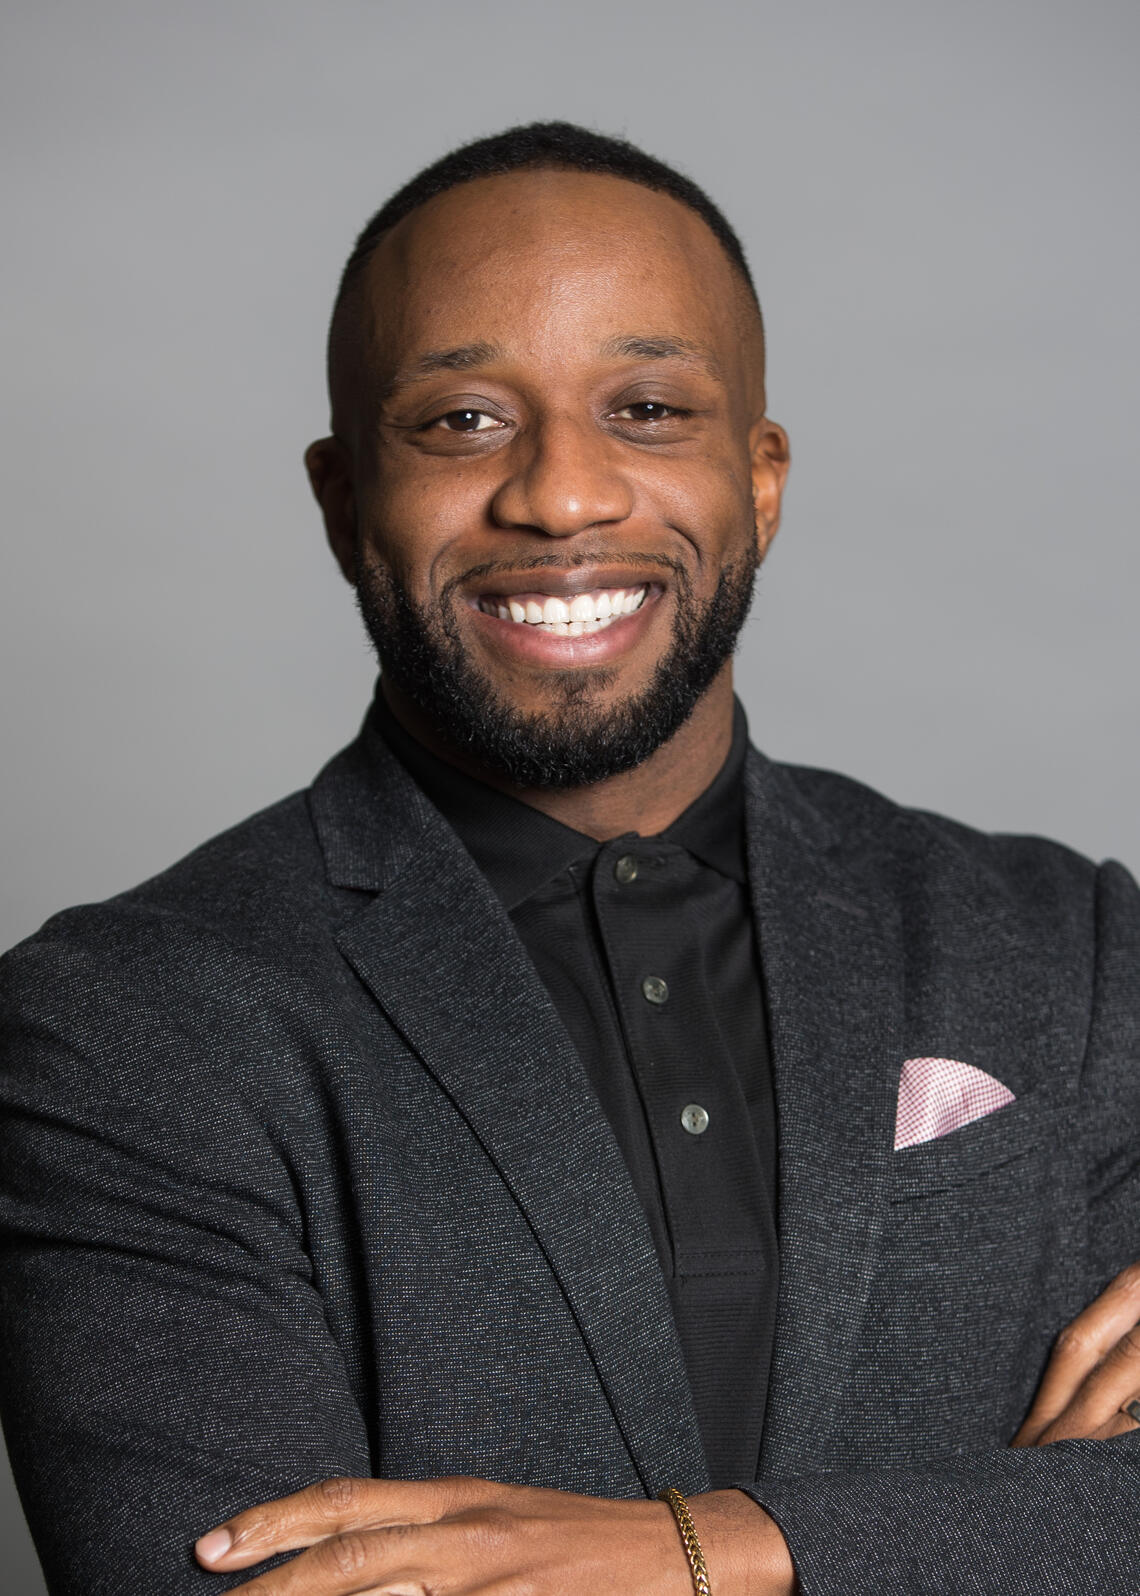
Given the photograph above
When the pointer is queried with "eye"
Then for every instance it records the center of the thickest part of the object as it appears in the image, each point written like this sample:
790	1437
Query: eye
466	421
648	410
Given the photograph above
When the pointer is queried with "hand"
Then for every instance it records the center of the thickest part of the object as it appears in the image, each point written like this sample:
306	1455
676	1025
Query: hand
1095	1366
457	1537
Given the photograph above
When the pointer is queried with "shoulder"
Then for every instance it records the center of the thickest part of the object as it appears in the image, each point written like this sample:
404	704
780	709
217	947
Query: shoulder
932	865
275	882
168	980
250	883
1010	944
232	940
219	959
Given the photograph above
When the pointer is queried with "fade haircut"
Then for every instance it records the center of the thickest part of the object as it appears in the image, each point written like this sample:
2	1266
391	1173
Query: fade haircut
537	146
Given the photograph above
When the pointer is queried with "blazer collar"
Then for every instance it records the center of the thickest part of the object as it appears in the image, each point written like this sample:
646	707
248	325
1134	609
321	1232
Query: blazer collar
831	952
455	981
368	813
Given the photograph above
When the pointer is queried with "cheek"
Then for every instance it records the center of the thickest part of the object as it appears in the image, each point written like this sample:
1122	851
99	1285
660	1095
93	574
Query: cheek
417	523
708	502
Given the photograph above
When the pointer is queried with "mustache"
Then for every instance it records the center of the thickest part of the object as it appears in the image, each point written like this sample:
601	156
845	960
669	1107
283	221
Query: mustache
563	562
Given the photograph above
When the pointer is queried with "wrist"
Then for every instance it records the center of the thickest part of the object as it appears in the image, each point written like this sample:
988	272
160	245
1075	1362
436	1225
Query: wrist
744	1549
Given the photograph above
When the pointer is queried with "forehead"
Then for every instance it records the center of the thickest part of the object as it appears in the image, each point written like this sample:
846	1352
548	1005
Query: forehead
549	258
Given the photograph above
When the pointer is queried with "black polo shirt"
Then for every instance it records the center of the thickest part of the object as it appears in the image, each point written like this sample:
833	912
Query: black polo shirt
647	948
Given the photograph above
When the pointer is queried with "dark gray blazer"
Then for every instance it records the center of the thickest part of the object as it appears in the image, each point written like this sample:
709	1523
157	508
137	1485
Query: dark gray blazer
301	1176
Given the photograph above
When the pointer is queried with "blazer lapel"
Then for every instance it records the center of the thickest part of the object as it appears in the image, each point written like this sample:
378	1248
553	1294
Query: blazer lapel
830	952
442	959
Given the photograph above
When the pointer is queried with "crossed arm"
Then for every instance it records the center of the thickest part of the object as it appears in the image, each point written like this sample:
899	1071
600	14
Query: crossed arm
165	1348
466	1537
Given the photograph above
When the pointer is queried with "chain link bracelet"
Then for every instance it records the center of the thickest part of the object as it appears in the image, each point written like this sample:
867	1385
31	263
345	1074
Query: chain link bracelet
689	1538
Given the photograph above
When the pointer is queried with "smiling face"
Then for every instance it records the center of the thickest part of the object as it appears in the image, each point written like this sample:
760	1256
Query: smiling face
552	477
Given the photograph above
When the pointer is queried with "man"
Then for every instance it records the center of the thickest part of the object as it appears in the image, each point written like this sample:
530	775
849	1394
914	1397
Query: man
559	1102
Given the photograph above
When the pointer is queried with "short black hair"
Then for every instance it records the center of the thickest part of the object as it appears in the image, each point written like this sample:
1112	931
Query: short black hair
550	145
536	146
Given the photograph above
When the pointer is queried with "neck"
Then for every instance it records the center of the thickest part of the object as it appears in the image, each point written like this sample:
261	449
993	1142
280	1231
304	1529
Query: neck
646	800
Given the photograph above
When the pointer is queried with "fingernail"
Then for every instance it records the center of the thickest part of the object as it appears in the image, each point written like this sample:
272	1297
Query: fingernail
214	1545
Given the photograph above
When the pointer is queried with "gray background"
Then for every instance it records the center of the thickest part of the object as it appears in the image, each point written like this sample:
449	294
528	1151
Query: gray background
940	205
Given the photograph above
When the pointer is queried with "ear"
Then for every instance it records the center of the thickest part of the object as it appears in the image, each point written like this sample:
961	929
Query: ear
770	460
330	477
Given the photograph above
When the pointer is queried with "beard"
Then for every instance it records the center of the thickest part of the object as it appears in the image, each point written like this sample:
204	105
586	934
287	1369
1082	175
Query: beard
573	743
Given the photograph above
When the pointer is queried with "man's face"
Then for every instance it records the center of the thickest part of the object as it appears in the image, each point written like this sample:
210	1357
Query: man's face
557	479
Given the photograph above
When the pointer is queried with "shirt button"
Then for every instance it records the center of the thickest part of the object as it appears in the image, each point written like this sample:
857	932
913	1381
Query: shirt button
655	989
695	1119
626	869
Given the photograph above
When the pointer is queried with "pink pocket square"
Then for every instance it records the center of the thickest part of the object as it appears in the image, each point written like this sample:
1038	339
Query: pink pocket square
940	1095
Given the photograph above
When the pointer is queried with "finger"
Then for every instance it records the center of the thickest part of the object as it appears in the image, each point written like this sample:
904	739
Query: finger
400	1560
329	1507
1078	1350
357	1563
1098	1401
1119	1424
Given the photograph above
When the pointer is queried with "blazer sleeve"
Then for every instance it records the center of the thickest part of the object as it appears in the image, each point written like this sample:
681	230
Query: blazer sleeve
165	1355
1059	1520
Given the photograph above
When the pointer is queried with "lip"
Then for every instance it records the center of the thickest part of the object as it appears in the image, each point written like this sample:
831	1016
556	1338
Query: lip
565	584
533	645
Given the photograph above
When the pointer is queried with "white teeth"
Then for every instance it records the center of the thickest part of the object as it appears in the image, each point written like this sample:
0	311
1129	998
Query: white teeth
584	613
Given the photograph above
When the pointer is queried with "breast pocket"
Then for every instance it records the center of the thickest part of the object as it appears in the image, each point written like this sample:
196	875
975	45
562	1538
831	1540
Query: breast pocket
1008	1135
983	1231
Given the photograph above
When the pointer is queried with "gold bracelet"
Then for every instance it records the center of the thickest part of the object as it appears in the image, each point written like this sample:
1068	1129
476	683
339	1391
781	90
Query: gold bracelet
689	1539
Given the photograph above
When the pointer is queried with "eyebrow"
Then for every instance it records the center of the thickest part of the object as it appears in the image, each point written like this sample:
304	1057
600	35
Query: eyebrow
633	346
636	347
464	357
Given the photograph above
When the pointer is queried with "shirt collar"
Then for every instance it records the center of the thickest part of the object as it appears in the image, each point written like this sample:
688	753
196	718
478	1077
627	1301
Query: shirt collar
519	849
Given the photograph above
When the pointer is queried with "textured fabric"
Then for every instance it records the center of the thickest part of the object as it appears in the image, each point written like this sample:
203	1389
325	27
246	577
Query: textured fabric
940	1095
940	1532
286	1191
593	935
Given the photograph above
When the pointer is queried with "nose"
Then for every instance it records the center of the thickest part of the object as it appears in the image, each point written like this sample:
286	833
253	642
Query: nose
564	480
